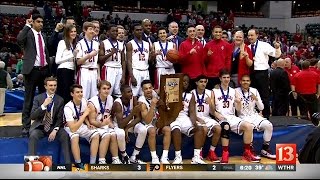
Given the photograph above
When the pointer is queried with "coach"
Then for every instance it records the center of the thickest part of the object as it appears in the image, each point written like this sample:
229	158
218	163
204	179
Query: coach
260	79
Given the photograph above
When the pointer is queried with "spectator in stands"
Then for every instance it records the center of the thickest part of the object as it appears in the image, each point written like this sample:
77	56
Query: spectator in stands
241	59
35	10
11	72
260	78
192	56
306	89
292	69
47	113
19	66
4	56
280	88
5	83
18	82
313	66
218	56
65	59
59	13
117	19
47	10
36	64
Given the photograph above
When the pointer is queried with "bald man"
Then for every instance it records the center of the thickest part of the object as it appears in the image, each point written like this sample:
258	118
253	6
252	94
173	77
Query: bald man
174	37
280	87
200	31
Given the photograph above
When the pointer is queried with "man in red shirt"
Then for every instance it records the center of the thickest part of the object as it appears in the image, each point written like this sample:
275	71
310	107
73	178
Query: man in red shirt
313	66
192	56
218	56
291	69
307	84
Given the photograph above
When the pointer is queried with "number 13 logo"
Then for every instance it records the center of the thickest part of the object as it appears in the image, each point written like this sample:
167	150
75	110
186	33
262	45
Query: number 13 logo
286	153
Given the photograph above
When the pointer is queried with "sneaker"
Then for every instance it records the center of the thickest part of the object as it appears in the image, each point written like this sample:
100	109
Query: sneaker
102	162
213	157
225	157
125	160
135	160
197	160
79	166
155	161
253	152
248	156
268	154
164	160
116	161
178	160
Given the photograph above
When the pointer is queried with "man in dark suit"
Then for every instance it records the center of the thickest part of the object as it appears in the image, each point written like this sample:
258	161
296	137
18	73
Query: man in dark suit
36	63
175	38
280	87
47	113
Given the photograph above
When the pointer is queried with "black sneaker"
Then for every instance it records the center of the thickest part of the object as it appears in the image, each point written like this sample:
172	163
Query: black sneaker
125	160
79	165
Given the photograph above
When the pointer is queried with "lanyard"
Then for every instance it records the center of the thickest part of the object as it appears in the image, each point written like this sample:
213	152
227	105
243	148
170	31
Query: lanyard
89	48
225	97
102	108
51	104
116	47
127	111
185	96
200	101
235	53
246	99
139	48
164	51
77	112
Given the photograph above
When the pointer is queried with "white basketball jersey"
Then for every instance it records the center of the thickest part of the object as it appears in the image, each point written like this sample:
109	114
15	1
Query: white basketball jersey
225	107
125	110
162	59
107	106
83	49
140	60
186	98
148	104
202	106
70	112
248	103
115	59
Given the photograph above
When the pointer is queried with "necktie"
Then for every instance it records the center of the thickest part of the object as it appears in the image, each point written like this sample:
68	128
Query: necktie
252	49
47	121
41	50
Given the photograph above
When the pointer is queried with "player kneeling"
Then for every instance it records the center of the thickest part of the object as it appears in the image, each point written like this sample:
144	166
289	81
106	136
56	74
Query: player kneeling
251	98
100	117
77	125
186	124
127	118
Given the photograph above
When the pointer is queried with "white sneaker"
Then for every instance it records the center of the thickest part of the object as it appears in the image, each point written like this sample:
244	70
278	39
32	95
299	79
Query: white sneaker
177	160
155	161
134	160
102	162
116	161
197	160
268	154
164	160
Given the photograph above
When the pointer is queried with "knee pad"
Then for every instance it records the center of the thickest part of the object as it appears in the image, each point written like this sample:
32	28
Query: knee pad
225	130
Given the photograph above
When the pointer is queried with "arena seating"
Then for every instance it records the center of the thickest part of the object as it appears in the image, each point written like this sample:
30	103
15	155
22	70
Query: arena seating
313	29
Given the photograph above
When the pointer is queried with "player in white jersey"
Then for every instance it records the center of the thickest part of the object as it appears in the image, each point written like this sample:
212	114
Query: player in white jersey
161	48
100	117
138	52
77	125
111	55
226	100
126	112
186	123
150	116
204	107
250	99
87	60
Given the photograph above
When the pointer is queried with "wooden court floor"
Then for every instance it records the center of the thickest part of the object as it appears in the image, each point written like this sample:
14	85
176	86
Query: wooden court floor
14	119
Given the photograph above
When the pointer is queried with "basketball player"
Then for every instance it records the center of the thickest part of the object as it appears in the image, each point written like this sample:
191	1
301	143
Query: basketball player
250	99
161	48
205	106
111	54
77	125
100	117
186	123
226	101
137	57
87	60
150	115
126	112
